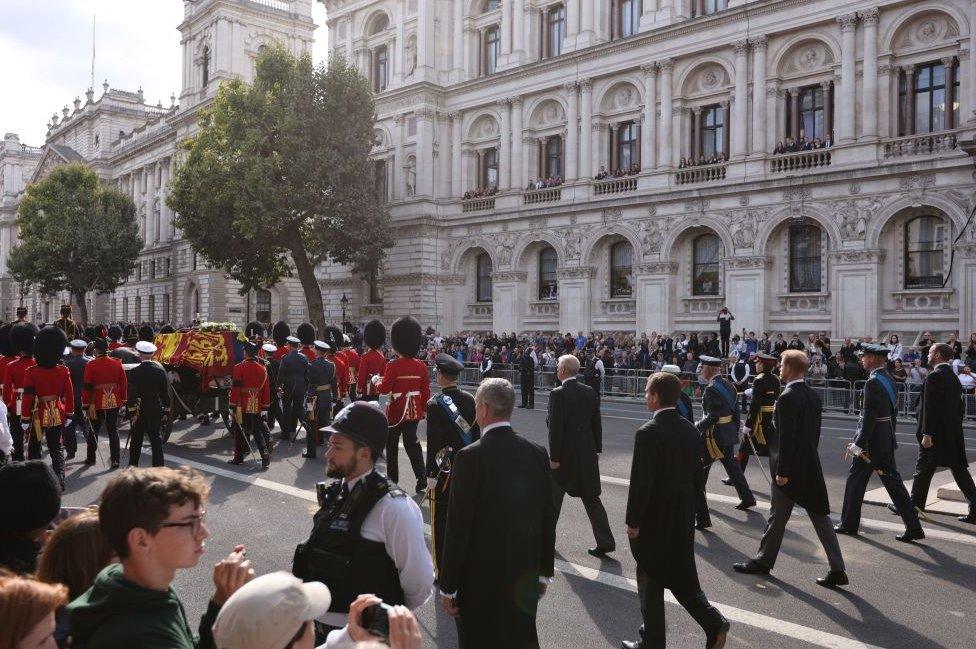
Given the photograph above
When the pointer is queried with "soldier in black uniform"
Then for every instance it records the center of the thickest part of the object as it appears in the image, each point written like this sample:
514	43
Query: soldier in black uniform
759	424
450	427
527	378
322	387
148	404
720	430
75	362
66	324
874	447
293	383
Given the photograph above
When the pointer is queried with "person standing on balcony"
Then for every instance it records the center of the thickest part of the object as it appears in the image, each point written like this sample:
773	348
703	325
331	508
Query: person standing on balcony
725	319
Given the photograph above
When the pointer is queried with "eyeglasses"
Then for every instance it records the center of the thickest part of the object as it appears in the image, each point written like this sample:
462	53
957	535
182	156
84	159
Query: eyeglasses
194	524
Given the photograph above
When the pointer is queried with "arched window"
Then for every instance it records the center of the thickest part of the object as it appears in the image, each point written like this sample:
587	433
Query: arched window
262	305
621	269
626	149
805	258
925	238
491	49
381	65
490	5
206	65
379	24
548	284
712	132
704	273
483	288
626	16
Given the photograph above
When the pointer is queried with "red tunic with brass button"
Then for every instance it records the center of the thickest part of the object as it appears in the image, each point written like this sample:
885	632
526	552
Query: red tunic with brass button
251	389
351	357
49	388
113	345
280	353
3	370
106	386
371	364
342	374
407	381
309	353
13	381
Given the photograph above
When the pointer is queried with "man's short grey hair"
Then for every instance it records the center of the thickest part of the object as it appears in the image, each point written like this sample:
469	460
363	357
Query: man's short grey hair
569	364
498	395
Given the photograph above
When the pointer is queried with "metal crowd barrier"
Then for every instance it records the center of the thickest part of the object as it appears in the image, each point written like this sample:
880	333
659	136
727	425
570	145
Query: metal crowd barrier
837	395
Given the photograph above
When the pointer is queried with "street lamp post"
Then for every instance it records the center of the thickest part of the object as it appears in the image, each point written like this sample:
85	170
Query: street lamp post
344	302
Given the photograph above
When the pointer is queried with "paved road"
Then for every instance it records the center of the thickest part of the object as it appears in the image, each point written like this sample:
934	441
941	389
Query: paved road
901	596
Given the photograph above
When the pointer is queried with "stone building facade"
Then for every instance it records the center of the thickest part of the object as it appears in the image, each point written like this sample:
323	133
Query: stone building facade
869	235
134	145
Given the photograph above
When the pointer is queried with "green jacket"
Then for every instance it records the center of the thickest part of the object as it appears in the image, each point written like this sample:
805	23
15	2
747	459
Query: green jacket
118	614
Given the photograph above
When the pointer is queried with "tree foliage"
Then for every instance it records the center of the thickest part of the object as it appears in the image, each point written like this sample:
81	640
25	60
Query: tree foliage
76	235
279	179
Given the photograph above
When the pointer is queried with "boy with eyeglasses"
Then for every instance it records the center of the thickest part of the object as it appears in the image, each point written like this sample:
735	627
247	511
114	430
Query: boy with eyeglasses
154	520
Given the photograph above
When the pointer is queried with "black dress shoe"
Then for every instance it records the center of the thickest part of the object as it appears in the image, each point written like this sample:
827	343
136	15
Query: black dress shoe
632	644
308	456
970	518
89	461
727	482
115	465
833	579
750	568
703	524
840	529
236	461
745	506
599	552
716	639
909	537
265	460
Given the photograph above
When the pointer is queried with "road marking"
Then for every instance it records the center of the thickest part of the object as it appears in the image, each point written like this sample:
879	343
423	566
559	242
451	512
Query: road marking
735	614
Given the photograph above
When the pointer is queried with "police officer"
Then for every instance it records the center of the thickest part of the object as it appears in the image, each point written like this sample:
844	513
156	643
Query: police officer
367	536
322	386
250	396
873	449
292	384
450	427
740	373
720	431
104	391
76	362
527	378
148	403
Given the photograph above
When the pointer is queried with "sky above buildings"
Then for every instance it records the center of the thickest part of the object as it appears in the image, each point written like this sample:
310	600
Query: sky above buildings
45	50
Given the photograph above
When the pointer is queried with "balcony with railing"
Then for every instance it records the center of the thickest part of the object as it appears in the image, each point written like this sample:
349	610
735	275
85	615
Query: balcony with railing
701	174
800	161
480	204
615	186
919	145
544	195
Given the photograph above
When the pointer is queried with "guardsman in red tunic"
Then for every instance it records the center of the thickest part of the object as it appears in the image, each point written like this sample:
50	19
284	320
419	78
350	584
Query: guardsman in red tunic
22	344
373	362
351	358
105	390
49	398
407	381
306	334
332	336
250	398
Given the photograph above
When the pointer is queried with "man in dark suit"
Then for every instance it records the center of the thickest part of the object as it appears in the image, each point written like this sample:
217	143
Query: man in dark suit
148	402
873	449
575	444
661	517
940	438
293	383
500	541
527	378
794	463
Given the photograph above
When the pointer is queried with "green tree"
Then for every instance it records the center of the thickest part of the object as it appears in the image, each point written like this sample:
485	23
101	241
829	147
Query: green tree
278	178
76	235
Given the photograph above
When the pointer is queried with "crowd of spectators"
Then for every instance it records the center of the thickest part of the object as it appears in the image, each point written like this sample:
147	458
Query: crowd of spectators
632	170
544	183
803	144
481	192
703	161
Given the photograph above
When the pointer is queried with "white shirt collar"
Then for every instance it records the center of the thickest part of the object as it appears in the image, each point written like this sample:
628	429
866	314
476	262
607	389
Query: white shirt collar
569	378
497	424
352	482
662	410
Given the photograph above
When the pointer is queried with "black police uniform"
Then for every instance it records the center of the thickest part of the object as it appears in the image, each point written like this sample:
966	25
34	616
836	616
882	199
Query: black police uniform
527	378
450	427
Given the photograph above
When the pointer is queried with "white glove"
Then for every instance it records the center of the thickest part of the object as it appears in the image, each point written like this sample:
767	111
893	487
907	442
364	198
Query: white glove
67	422
375	379
25	425
309	406
264	414
854	449
431	483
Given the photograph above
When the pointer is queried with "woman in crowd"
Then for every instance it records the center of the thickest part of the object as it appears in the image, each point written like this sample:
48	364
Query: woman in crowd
898	372
895	347
971	351
74	555
27	612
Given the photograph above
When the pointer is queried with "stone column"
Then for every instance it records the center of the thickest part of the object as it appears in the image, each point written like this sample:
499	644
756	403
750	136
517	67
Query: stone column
466	163
774	123
965	283
828	93
518	25
505	143
759	95
726	136
587	35
444	146
795	114
399	167
695	132
506	28
165	216
572	23
457	58
586	127
667	115
909	91
401	42
848	28
518	174
740	141
151	233
425	151
649	129
869	94
529	144
571	150
425	40
949	93
970	113
457	188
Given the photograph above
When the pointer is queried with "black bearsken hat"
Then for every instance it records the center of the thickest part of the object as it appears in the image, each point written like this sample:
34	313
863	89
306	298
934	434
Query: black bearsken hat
406	336
306	333
374	335
254	329
280	332
49	346
147	333
22	336
333	337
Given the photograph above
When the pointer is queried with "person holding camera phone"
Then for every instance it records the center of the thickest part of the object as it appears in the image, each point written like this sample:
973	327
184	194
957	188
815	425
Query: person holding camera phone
368	535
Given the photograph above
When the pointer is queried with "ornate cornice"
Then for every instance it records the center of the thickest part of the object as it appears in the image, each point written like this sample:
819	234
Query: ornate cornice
658	268
741	47
576	272
748	263
868	256
509	276
966	248
666	65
